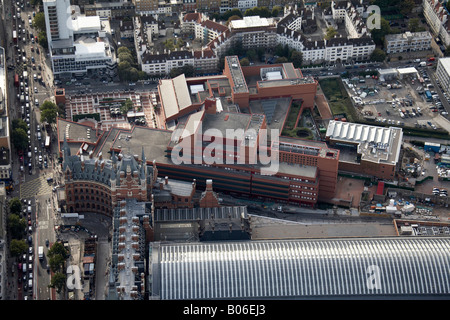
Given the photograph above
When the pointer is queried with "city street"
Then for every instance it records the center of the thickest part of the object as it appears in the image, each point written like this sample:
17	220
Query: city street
30	185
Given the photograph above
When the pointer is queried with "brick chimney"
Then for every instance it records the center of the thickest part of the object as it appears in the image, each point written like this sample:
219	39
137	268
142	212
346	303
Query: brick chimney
209	198
210	105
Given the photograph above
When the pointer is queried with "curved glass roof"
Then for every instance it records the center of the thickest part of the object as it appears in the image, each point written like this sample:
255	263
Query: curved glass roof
302	268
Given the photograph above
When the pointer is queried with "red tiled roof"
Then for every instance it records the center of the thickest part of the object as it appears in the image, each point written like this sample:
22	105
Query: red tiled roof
214	25
194	16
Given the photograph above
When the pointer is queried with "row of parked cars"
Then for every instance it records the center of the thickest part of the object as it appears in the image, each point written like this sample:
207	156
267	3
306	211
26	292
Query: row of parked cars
440	192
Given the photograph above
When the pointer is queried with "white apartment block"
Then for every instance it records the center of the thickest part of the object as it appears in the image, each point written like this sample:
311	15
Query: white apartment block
443	73
254	32
437	18
162	64
247	4
408	41
208	30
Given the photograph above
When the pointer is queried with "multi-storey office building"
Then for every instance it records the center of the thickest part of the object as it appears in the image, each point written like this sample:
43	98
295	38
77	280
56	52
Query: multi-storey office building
365	149
74	40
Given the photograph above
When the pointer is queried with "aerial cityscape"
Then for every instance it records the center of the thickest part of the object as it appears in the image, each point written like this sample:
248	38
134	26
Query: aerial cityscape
216	150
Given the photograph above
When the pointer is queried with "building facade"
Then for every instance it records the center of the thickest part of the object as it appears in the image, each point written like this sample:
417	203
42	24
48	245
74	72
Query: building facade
443	73
72	40
408	42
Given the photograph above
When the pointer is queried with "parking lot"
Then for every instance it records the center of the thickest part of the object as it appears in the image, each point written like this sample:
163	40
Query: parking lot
401	102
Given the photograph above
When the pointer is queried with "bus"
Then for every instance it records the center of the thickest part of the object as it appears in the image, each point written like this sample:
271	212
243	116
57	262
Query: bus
47	141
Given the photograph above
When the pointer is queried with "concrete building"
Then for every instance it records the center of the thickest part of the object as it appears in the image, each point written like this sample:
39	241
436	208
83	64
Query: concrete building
78	44
366	149
408	42
443	73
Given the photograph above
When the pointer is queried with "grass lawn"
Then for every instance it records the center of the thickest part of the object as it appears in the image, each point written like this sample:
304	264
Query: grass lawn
292	116
338	98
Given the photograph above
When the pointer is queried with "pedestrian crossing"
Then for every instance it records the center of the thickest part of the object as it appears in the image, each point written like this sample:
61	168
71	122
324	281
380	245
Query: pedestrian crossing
35	187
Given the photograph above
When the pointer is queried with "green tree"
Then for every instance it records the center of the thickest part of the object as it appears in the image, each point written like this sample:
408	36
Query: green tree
58	249
276	11
16	226
19	138
414	25
297	58
331	32
42	39
39	21
49	112
235	17
56	263
252	55
263	12
58	281
19	123
379	34
378	55
15	206
126	106
244	62
123	50
281	60
234	12
126	57
169	44
407	6
17	247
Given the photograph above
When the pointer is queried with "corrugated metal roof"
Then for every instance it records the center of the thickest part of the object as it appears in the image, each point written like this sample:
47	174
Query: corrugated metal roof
303	268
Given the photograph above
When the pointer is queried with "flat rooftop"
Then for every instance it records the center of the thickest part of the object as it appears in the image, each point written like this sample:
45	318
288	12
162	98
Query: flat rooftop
375	144
251	22
237	76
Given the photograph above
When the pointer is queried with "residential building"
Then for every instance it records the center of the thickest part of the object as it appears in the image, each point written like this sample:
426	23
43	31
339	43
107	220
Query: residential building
408	42
162	64
114	10
443	73
146	6
254	32
126	29
437	18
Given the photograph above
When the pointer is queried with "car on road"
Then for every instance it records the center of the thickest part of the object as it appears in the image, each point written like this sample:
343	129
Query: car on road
47	242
